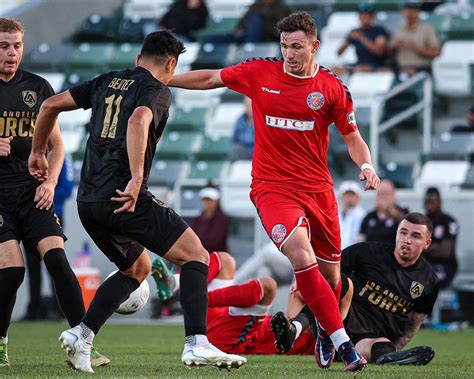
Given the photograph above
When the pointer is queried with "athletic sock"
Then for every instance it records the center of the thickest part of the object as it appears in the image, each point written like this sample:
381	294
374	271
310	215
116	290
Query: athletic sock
381	348
215	266
306	318
10	280
193	284
319	297
241	295
66	286
339	337
108	298
298	327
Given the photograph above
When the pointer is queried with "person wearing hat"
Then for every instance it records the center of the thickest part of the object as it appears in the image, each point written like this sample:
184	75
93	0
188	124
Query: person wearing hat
351	213
369	40
415	44
212	225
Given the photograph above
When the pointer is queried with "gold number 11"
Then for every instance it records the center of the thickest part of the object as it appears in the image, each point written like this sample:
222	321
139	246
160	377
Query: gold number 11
109	129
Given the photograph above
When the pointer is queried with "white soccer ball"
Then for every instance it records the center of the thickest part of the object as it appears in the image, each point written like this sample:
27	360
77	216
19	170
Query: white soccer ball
136	300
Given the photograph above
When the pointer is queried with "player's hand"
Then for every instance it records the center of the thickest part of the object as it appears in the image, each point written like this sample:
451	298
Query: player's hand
356	35
372	181
38	166
44	195
5	146
128	196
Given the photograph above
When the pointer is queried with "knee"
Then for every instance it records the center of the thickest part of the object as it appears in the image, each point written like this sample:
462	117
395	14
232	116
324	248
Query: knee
140	269
269	289
300	256
333	279
199	254
228	264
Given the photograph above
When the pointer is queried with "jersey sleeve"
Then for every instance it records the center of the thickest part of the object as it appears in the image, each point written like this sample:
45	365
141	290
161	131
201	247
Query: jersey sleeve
237	78
343	110
426	304
82	94
349	258
157	99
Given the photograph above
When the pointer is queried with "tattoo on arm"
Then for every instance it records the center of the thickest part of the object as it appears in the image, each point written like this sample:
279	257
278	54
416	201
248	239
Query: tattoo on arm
416	321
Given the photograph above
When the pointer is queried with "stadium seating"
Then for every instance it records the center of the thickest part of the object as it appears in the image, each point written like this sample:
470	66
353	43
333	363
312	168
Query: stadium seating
211	56
249	50
208	169
145	8
167	172
188	119
97	29
452	146
443	174
178	145
469	181
219	9
133	30
56	79
365	86
452	71
235	190
197	99
214	147
46	58
123	56
217	25
222	122
400	174
351	5
91	56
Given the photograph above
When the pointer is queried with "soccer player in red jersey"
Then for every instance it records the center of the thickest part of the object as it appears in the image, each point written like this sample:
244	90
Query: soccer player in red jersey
294	101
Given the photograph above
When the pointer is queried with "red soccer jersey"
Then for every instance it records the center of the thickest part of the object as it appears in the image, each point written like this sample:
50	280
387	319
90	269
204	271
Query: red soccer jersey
292	116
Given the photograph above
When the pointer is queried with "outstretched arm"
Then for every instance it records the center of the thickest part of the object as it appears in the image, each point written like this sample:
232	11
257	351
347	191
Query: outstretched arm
198	79
416	321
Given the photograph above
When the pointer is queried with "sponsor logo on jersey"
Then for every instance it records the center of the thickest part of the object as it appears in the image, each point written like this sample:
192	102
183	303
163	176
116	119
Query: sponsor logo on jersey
288	123
29	97
274	91
315	100
278	233
351	118
416	289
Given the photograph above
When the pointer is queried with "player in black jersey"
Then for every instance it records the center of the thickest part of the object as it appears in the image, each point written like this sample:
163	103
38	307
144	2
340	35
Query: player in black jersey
129	113
26	205
393	289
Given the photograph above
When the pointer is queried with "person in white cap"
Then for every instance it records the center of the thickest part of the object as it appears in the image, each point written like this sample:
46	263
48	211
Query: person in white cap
351	213
212	225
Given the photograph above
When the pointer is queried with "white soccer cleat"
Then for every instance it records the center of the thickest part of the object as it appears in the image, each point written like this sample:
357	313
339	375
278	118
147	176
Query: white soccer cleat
209	355
78	350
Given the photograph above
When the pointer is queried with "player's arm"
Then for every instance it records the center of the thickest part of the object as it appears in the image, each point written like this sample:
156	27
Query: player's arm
416	319
440	249
45	124
137	136
360	154
198	79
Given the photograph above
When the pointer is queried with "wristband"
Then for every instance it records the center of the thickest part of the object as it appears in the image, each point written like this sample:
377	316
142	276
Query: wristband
367	166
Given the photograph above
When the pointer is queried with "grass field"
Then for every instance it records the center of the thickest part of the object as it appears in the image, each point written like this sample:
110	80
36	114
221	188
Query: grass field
154	351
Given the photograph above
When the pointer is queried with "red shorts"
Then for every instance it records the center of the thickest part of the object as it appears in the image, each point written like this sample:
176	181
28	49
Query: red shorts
282	210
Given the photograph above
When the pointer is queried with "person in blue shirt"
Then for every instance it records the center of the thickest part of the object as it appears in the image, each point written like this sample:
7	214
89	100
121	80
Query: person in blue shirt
40	308
243	138
370	42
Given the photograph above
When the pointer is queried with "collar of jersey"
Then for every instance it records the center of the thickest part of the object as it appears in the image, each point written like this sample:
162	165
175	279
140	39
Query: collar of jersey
299	76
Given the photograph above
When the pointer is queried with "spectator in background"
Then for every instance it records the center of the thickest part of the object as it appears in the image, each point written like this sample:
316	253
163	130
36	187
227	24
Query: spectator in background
257	24
442	252
212	226
351	213
381	224
369	40
243	138
469	128
414	44
47	308
184	17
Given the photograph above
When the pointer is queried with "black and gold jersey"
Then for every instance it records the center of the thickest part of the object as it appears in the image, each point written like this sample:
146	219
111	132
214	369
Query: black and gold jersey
113	98
20	101
385	293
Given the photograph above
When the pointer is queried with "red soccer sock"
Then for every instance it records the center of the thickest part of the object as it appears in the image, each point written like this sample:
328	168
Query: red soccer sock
242	295
319	297
214	266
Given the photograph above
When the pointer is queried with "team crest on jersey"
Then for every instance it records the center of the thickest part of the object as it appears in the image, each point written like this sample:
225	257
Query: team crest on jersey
416	289
315	100
29	97
278	233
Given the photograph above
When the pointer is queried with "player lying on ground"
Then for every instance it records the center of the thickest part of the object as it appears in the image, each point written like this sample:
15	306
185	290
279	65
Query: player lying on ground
392	290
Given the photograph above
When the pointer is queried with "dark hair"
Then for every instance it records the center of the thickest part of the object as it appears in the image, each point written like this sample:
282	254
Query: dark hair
432	191
419	219
162	44
298	21
9	25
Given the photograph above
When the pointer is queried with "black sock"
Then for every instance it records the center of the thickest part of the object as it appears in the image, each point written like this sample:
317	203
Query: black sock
10	280
108	298
381	348
193	292
66	286
306	318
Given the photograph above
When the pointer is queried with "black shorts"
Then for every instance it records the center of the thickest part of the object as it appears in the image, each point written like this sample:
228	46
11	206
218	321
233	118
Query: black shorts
360	325
20	219
122	237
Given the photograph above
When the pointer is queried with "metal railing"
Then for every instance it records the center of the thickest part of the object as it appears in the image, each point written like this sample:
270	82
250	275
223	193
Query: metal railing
425	104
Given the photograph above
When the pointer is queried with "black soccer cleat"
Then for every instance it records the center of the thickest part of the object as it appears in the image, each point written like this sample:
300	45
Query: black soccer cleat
285	332
419	355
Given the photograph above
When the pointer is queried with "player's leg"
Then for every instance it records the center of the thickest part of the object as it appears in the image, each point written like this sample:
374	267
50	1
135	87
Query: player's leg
258	291
12	272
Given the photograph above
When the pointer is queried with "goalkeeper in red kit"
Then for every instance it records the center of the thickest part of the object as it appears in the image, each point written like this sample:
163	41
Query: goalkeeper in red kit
294	102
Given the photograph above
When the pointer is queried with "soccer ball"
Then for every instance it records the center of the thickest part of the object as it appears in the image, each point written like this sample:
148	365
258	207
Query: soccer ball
136	300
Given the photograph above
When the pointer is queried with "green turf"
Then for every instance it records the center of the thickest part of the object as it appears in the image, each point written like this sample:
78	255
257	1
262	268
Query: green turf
154	351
